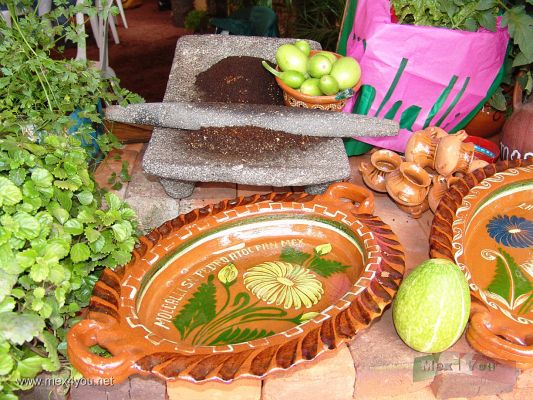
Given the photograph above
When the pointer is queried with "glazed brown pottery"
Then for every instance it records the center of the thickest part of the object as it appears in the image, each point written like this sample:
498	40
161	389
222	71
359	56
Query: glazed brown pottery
382	163
517	140
408	185
439	187
487	122
242	288
294	98
484	225
453	155
422	145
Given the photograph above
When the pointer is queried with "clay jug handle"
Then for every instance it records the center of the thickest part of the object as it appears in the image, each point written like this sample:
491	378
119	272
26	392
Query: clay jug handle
517	95
356	194
84	335
490	334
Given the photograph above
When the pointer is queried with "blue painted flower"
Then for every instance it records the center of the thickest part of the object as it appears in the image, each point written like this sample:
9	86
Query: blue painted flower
511	231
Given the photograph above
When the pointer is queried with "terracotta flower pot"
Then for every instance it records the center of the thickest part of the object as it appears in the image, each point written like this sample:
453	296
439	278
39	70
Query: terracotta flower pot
382	163
242	288
408	185
422	145
483	224
294	98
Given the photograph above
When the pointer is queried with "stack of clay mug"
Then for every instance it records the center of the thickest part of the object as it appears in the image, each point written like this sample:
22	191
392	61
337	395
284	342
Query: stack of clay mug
433	160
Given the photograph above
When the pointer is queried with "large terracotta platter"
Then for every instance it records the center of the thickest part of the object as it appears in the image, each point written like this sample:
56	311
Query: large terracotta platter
484	224
243	288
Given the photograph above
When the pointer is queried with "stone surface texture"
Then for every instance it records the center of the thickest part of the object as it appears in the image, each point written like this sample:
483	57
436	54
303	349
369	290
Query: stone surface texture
378	358
297	121
168	157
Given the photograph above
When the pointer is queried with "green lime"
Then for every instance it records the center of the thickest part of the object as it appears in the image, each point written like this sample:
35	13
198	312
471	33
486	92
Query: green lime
347	72
331	57
432	306
304	46
310	87
318	66
328	85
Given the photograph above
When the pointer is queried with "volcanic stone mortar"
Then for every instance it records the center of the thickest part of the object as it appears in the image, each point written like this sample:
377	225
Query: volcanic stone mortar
167	156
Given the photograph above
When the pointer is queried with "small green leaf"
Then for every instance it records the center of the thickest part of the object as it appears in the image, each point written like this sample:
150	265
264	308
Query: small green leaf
91	234
7	304
113	201
74	227
79	252
39	292
42	177
39	272
20	328
85	197
31	366
6	364
122	230
58	248
26	258
9	193
7	281
28	225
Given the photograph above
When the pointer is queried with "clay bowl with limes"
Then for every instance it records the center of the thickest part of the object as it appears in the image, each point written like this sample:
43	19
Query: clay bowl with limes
294	98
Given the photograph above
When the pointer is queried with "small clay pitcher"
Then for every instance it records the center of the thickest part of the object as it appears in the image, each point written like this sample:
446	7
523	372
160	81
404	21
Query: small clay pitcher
382	163
454	155
422	145
408	185
441	184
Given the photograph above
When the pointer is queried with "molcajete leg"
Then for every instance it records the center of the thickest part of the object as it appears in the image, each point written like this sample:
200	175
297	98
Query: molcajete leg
176	188
319	188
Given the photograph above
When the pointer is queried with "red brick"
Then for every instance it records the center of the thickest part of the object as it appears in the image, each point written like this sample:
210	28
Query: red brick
241	389
331	377
248	190
146	388
384	364
525	379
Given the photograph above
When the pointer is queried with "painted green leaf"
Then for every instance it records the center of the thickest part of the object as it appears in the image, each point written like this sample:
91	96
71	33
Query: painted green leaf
508	275
326	268
199	310
292	255
236	335
323	249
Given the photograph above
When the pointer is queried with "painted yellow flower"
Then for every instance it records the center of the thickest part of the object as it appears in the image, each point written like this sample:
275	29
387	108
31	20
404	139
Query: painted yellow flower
284	283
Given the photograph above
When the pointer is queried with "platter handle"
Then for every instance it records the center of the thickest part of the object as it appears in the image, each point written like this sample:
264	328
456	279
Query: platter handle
81	337
356	194
488	334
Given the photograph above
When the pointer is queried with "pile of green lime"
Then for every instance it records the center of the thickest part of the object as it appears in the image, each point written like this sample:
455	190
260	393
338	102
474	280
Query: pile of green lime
317	75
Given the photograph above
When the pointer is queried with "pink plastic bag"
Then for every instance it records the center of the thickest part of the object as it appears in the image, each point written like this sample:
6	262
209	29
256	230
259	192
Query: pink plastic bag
419	76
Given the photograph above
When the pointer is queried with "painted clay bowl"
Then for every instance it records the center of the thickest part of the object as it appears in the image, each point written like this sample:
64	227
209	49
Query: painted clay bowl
484	224
242	288
294	98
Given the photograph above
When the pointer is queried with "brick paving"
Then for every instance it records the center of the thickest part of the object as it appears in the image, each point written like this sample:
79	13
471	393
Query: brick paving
375	365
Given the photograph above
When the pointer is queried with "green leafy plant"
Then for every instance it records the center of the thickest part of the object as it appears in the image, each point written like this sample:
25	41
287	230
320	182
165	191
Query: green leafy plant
319	20
39	89
470	15
196	20
57	232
